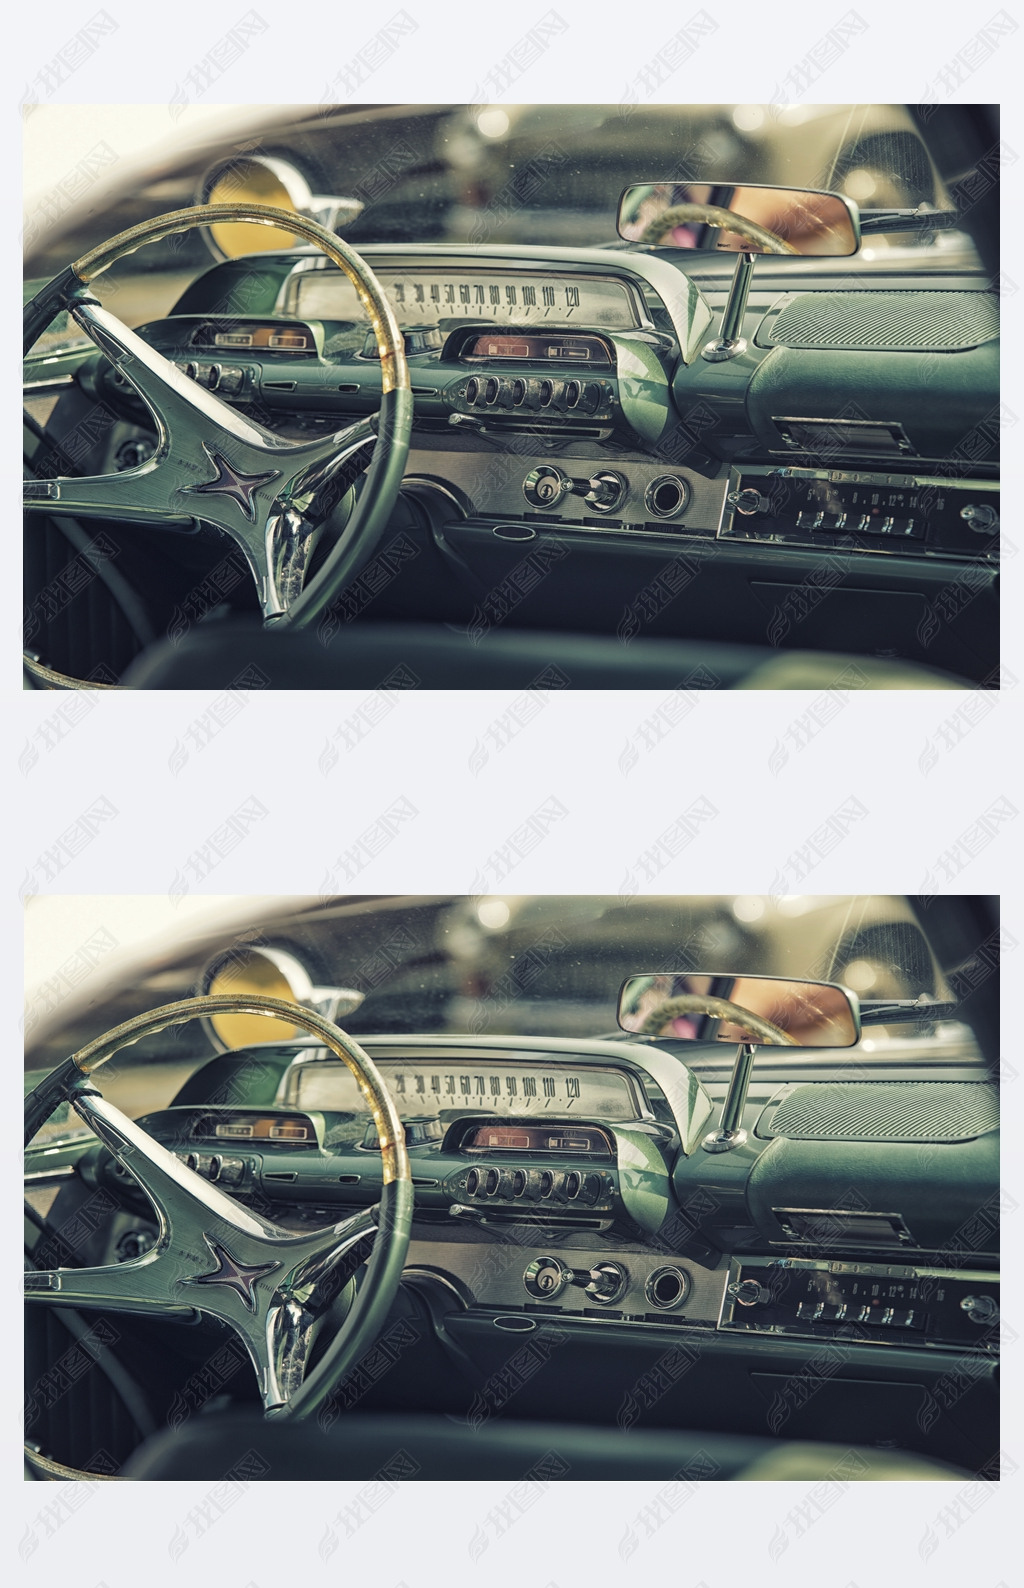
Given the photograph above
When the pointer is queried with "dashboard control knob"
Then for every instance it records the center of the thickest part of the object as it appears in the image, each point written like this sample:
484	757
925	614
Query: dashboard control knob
424	1128
546	486
232	379
606	490
980	1309
748	1292
590	398
983	519
748	501
422	338
546	1277
608	1281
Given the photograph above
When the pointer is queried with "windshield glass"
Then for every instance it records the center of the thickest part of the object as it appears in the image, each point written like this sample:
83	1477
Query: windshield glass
553	173
548	175
512	965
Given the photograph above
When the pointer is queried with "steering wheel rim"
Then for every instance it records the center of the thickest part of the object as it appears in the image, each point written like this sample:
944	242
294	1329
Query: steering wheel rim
200	1224
721	1009
214	464
714	215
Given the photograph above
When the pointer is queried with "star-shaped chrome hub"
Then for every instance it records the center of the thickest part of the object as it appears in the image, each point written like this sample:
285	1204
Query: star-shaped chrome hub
231	1274
233	484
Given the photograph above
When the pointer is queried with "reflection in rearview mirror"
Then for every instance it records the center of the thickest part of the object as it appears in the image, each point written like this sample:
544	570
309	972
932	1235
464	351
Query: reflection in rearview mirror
747	219
702	1006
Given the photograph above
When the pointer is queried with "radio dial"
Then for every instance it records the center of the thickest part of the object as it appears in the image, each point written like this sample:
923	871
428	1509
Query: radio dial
748	1292
748	501
980	1309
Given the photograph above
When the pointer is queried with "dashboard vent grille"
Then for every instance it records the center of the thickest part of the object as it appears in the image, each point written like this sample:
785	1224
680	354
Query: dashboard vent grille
892	322
884	1111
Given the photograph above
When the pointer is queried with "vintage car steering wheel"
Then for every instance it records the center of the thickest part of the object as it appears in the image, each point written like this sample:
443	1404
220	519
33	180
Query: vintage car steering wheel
714	215
721	1009
215	1256
268	494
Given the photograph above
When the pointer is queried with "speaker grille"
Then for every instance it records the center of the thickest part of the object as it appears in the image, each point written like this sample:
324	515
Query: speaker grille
892	322
884	1111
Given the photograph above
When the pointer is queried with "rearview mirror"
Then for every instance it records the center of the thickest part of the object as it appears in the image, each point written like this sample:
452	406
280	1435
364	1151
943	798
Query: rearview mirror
747	219
769	1011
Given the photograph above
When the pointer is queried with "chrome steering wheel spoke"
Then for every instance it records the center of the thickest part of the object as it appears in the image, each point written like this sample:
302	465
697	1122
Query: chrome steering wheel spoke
213	1255
210	463
215	464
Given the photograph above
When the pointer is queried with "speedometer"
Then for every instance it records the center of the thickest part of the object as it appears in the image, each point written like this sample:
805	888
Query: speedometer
463	1084
424	297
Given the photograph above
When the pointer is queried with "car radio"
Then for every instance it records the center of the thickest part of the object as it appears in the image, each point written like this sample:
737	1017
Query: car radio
875	1302
850	510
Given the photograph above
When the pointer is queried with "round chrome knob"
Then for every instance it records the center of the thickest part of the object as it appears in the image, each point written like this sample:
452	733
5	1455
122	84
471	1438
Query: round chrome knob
748	1292
980	1309
607	1283
748	501
606	490
981	517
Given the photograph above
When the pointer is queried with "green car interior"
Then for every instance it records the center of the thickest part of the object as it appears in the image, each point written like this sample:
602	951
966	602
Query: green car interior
532	396
702	1185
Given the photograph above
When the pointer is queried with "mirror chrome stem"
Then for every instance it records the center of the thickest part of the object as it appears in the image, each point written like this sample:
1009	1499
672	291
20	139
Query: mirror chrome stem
730	342
730	1132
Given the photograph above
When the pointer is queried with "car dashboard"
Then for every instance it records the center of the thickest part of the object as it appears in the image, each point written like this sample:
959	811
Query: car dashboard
563	1198
577	463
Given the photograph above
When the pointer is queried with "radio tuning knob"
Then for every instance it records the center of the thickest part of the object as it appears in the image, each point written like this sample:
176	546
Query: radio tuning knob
748	1292
980	1309
981	517
748	501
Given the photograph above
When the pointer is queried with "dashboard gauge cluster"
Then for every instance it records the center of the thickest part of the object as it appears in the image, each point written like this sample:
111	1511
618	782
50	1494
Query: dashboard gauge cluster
573	1136
256	1128
529	347
239	335
474	1086
474	293
519	1136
